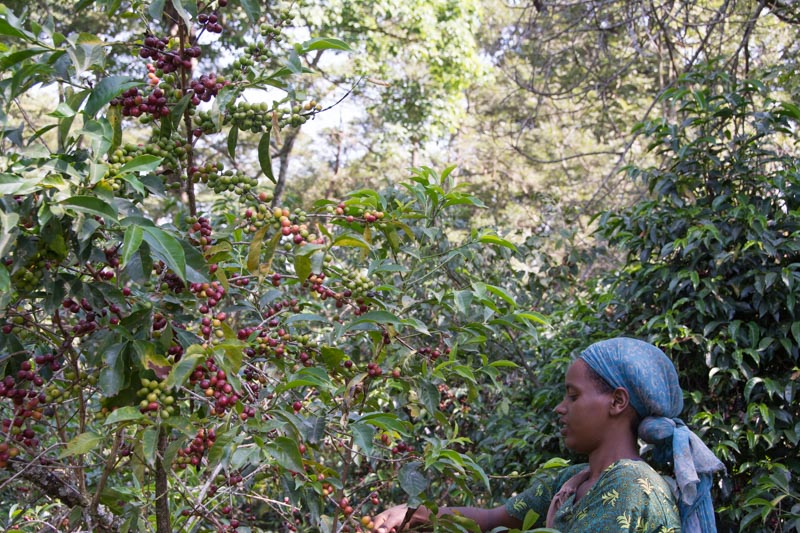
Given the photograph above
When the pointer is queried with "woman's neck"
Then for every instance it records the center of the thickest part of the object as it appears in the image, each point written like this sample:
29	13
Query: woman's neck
602	458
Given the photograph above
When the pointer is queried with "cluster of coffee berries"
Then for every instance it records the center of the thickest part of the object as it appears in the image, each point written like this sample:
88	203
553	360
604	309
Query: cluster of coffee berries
7	453
401	447
206	87
200	233
47	360
28	277
239	281
433	353
211	326
87	318
112	256
373	370
169	280
167	61
174	352
152	77
255	117
295	233
135	104
344	505
172	151
210	22
232	181
366	520
211	293
159	322
356	283
448	399
156	399
27	404
356	213
273	32
193	453
213	383
258	215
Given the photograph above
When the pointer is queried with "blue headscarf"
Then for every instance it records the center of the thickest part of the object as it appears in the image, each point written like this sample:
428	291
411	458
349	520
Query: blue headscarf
652	384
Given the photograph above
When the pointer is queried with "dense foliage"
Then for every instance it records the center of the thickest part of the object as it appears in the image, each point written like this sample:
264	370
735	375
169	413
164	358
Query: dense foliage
183	347
712	275
180	353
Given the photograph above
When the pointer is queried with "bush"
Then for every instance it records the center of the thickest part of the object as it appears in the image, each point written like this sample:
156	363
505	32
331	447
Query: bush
180	352
712	275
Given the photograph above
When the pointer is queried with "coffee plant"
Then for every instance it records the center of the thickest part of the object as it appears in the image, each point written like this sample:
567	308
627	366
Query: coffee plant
181	353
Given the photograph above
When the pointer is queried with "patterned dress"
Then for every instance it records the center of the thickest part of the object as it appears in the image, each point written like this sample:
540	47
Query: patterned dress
628	496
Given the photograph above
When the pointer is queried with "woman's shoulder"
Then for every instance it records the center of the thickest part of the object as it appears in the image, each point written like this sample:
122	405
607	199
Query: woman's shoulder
639	477
633	467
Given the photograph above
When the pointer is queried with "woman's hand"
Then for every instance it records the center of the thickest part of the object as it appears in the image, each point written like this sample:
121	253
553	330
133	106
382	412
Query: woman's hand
392	519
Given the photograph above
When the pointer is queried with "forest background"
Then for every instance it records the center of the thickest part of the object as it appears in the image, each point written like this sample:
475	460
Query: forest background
275	266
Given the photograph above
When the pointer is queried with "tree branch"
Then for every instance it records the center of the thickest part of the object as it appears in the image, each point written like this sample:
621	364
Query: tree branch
55	485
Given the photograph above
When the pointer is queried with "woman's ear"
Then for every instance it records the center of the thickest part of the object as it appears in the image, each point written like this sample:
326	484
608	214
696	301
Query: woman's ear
620	400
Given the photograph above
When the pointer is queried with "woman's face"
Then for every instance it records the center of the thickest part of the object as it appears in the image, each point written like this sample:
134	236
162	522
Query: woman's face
584	411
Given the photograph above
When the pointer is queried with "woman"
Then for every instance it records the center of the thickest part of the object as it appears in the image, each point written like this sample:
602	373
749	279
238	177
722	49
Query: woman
616	390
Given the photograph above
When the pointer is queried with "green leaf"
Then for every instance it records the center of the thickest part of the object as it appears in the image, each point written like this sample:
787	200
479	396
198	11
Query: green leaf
142	163
15	184
254	265
176	113
385	421
113	376
503	363
167	248
114	116
363	436
307	377
91	205
499	291
411	479
796	331
245	456
531	316
305	317
286	452
530	518
83	443
156	9
377	317
494	239
264	157
186	9
124	414
151	358
65	124
351	240
183	368
18	57
5	280
325	43
254	251
429	395
8	29
9	231
463	299
233	138
149	443
302	267
332	357
131	243
252	9
107	89
313	429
